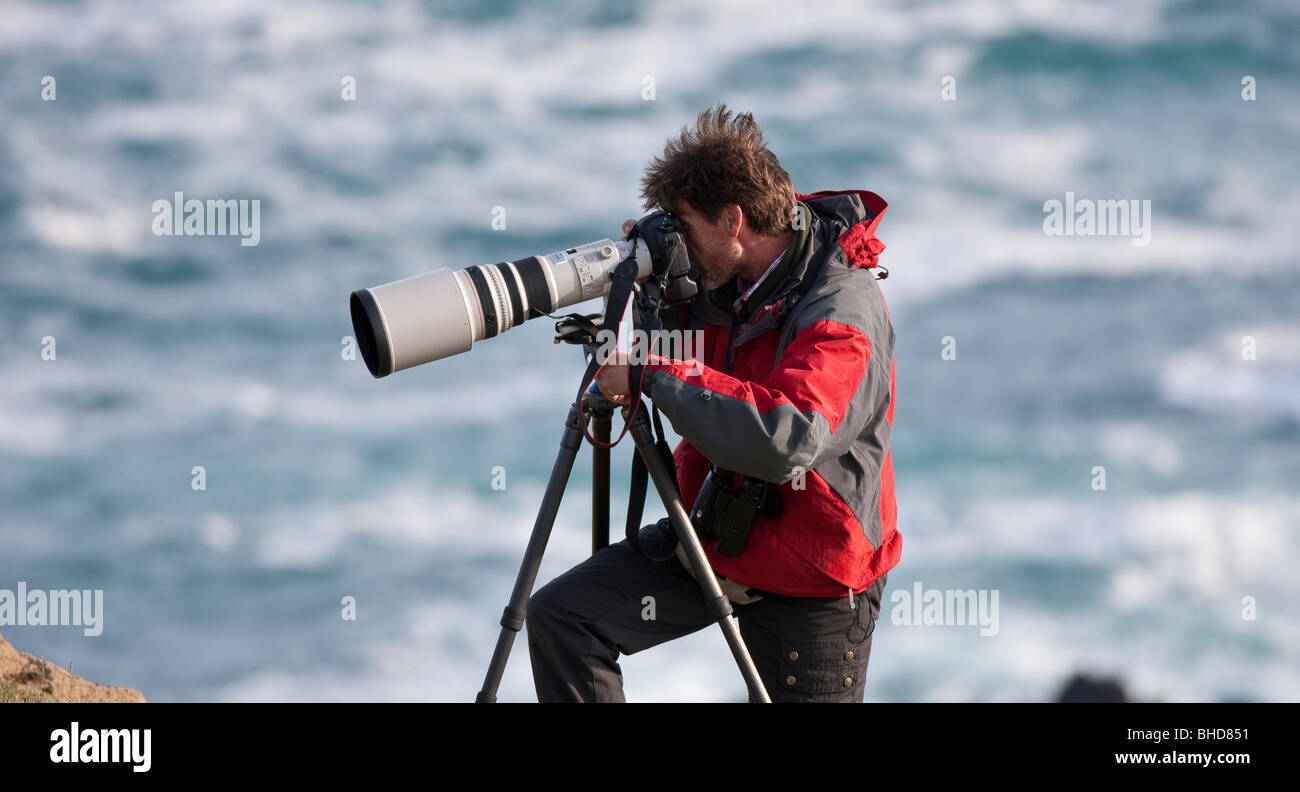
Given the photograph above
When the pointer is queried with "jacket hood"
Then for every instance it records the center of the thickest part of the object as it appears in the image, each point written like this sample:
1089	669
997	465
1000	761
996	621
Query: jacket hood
857	213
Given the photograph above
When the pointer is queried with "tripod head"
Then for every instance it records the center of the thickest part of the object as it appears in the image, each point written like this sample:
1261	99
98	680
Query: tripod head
579	329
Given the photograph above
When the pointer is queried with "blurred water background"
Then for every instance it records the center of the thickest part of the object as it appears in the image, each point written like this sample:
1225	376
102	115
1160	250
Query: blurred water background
1072	352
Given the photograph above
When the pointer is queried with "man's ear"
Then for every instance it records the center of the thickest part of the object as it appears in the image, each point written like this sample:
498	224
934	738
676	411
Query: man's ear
734	216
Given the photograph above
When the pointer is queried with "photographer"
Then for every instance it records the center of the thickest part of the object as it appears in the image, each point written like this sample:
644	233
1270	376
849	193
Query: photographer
788	414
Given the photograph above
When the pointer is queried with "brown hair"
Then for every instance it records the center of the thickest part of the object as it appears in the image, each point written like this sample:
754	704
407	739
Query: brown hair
724	160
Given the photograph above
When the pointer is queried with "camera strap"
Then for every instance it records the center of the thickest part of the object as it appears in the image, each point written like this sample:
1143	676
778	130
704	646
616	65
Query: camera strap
650	324
623	280
637	493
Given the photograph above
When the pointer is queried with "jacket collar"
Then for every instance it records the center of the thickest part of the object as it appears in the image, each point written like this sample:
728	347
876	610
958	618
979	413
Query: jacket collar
834	216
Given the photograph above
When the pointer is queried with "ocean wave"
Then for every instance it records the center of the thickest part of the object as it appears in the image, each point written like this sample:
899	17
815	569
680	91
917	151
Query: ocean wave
452	112
1216	377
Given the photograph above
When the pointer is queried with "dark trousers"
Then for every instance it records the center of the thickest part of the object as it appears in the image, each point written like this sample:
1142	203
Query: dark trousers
805	648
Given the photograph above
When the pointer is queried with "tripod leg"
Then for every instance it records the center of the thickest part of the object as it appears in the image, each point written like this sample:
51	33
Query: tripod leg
719	607
602	413
512	620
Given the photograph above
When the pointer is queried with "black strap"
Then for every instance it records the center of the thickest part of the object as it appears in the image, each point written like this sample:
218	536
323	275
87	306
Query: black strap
624	279
650	325
639	485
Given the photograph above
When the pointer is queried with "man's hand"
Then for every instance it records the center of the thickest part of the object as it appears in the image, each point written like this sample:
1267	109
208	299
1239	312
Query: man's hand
611	378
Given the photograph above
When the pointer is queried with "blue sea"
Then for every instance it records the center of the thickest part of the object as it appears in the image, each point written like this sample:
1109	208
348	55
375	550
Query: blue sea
1025	362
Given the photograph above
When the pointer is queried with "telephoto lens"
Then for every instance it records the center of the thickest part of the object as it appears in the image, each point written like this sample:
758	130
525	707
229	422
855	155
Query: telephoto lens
442	313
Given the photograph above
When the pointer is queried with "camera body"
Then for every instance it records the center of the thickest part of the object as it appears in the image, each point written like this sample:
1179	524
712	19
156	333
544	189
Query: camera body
678	280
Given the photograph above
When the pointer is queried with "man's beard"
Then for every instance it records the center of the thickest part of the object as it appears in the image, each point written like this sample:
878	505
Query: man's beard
718	273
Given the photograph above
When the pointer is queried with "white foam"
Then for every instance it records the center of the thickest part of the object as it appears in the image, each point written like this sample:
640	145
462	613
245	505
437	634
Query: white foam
422	514
112	229
1135	441
326	397
1214	377
1196	545
219	532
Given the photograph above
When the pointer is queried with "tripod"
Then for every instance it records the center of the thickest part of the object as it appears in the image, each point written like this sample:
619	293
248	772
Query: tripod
601	410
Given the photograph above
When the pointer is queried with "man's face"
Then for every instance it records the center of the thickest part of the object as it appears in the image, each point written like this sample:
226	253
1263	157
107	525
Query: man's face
711	246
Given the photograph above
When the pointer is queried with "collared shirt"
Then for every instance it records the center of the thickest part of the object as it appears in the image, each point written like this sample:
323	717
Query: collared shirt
740	301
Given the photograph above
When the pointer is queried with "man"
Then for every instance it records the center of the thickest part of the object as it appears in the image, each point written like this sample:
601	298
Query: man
795	388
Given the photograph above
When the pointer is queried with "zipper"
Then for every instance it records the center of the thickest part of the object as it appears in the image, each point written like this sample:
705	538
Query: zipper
731	348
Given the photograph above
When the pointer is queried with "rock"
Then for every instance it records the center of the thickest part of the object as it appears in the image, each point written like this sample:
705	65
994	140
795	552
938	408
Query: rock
24	678
1084	688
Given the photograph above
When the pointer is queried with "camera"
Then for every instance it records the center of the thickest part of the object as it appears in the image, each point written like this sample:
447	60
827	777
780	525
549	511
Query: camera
442	313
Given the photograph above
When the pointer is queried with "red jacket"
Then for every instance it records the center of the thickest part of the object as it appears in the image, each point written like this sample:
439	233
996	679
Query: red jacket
799	392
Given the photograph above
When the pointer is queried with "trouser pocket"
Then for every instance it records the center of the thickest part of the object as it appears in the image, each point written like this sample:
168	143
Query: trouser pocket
828	669
810	650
